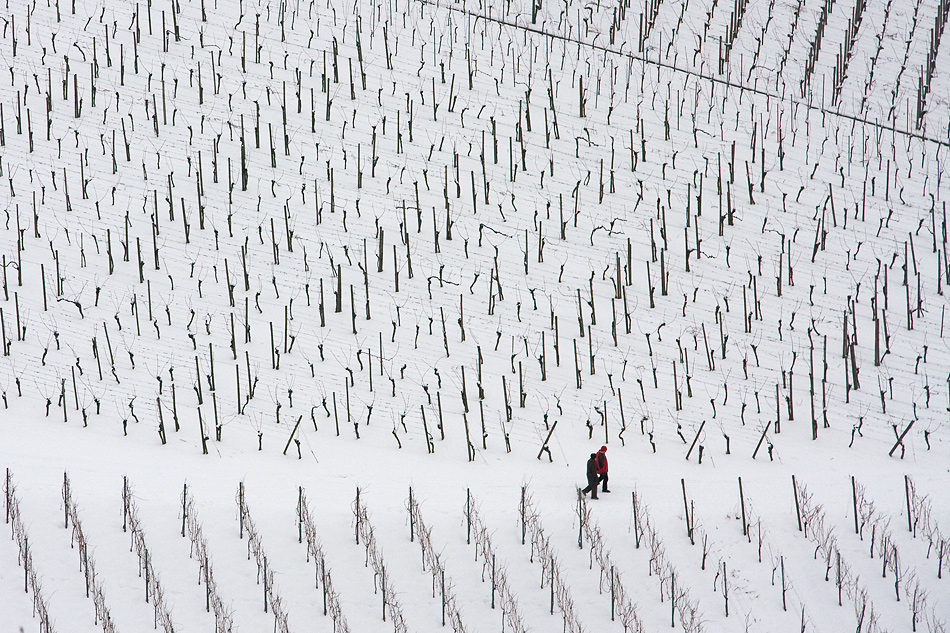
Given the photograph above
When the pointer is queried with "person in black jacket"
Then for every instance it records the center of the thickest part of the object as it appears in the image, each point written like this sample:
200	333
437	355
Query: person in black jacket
592	477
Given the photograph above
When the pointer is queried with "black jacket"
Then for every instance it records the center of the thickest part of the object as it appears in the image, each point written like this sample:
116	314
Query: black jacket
592	468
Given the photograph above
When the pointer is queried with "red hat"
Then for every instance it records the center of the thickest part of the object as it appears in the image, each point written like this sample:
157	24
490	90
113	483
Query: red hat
603	449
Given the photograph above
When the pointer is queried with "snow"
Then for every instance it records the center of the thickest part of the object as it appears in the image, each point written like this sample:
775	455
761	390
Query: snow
471	148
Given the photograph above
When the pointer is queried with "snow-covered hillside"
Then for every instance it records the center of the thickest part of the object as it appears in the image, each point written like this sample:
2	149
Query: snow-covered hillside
262	253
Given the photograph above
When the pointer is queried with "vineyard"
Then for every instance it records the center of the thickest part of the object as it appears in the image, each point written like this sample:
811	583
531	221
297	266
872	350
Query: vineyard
528	562
312	314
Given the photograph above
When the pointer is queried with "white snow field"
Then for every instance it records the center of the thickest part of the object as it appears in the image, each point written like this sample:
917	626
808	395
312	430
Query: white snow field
312	314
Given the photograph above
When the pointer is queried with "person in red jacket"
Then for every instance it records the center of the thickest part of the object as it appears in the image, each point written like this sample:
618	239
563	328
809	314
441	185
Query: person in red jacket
602	467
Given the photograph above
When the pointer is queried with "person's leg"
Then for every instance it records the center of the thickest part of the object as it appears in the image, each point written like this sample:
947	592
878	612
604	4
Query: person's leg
593	488
603	478
592	483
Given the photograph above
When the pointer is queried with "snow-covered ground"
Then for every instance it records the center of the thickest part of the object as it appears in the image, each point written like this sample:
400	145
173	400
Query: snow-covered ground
322	248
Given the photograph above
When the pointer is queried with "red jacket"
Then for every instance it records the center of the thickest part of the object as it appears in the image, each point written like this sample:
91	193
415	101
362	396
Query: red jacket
602	463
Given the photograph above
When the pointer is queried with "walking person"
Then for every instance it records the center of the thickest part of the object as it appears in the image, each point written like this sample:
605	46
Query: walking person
601	458
592	477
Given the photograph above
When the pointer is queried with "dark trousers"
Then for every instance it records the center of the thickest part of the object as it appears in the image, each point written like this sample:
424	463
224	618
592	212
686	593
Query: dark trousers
591	486
602	478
